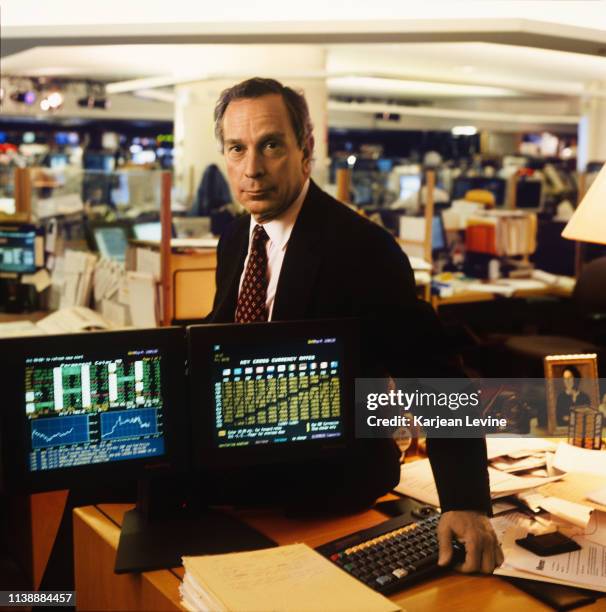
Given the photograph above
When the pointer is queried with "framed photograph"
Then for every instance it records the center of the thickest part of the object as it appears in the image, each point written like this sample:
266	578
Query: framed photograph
571	382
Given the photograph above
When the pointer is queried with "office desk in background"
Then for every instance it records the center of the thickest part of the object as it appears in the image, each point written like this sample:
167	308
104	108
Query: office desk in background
471	296
97	531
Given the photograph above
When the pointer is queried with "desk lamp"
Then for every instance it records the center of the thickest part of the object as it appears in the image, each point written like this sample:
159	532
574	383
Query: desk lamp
588	223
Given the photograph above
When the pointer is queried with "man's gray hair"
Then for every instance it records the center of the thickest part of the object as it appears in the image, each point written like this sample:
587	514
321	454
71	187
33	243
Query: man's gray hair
257	87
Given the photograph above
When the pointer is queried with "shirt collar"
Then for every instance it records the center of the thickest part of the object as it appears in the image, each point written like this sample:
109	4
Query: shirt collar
280	228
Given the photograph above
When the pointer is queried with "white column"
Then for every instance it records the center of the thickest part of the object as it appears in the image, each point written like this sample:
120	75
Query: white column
592	126
297	66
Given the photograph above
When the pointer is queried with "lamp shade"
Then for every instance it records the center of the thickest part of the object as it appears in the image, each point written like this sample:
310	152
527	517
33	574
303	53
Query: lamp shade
588	223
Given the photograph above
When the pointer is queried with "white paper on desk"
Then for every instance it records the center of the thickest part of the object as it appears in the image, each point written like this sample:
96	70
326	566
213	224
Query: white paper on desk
490	288
194	243
114	312
142	299
574	459
40	280
418	263
585	567
517	447
148	261
416	481
19	328
502	483
505	464
596	528
506	521
571	512
70	290
522	283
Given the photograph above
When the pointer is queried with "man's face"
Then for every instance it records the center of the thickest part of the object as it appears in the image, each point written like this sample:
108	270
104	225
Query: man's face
265	165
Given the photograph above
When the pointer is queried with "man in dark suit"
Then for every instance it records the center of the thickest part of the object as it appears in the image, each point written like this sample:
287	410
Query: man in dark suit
301	254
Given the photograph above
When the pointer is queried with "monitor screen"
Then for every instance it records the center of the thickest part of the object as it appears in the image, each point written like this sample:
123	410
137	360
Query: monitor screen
496	186
409	185
438	237
111	241
148	231
18	249
268	391
529	194
94	403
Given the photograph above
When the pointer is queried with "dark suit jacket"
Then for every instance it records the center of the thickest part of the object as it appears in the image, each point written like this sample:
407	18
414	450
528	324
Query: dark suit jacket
338	264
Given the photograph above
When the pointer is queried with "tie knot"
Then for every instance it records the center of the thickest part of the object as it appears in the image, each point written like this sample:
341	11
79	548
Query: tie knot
259	234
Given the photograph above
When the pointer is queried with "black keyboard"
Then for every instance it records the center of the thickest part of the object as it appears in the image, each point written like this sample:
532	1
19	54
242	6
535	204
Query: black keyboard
392	555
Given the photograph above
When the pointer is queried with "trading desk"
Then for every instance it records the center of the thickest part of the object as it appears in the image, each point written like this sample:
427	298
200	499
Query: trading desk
97	531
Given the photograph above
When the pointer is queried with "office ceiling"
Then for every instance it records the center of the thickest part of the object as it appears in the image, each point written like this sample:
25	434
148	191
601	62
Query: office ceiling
416	70
428	52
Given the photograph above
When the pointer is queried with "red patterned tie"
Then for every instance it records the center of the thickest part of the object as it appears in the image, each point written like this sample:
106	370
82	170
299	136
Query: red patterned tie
253	293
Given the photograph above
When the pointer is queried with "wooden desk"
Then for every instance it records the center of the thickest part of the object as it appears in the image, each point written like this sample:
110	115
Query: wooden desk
466	297
96	535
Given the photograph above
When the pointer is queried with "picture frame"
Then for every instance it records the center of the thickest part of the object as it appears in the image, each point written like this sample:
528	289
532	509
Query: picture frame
571	381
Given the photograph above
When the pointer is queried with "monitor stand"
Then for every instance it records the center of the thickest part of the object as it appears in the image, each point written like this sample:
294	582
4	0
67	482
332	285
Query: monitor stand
163	528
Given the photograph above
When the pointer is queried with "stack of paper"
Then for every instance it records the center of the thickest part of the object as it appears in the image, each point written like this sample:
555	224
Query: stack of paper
77	268
286	578
582	568
522	454
416	481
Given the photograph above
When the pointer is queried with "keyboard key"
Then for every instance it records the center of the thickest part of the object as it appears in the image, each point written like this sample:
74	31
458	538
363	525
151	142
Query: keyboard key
400	572
382	580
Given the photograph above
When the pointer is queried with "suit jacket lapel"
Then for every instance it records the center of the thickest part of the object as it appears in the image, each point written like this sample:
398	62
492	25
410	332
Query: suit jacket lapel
301	261
236	254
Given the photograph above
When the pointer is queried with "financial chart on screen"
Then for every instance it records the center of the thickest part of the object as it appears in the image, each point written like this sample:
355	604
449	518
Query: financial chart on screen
84	411
289	392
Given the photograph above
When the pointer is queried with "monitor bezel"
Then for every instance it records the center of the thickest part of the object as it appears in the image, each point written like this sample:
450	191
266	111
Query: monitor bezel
14	438
24	227
206	456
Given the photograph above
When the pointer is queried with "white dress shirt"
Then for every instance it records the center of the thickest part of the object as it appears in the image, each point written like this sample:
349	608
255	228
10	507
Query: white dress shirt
278	230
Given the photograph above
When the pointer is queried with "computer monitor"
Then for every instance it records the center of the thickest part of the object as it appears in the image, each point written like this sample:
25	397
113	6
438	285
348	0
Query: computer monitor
529	194
271	393
110	239
21	248
439	242
151	230
96	407
409	185
495	185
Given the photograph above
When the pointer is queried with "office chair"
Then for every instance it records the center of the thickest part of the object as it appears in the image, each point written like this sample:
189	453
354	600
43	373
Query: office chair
586	327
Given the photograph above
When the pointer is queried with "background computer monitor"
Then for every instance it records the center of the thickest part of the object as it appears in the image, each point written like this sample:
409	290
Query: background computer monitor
529	194
409	185
439	242
151	230
96	407
271	393
496	186
110	239
21	248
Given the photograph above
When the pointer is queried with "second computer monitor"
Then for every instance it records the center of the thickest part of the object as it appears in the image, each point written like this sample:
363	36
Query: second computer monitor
271	393
84	408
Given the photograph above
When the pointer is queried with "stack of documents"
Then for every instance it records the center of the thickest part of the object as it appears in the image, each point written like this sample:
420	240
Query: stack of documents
584	568
286	578
65	321
520	455
77	270
416	481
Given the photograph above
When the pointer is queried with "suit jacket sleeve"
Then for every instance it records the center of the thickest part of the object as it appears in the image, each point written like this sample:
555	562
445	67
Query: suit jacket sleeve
412	344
